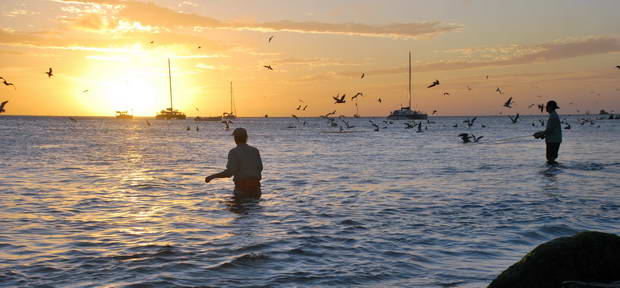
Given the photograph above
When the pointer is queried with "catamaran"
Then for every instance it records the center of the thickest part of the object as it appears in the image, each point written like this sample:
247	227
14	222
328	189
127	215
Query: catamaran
405	113
230	115
170	113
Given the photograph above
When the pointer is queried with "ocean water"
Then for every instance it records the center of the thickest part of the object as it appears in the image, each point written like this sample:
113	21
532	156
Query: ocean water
115	203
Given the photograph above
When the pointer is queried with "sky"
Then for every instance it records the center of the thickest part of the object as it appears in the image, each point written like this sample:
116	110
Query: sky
109	55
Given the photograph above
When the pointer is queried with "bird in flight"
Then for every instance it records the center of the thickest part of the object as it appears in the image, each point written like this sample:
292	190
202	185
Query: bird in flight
379	100
514	119
435	83
268	67
2	106
466	138
269	40
434	112
85	91
7	83
541	107
329	114
152	42
49	73
358	94
499	91
339	100
618	66
446	94
304	109
470	122
298	107
508	103
362	77
199	47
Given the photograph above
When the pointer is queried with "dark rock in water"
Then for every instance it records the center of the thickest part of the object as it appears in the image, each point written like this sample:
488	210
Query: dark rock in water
577	284
586	257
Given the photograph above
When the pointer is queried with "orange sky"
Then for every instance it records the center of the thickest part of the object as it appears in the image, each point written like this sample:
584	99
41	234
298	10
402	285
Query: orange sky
103	59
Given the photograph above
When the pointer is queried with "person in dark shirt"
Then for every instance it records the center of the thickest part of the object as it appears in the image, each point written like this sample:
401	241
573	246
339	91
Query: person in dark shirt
552	133
244	165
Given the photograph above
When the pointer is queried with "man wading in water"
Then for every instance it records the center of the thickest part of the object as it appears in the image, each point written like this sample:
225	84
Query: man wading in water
245	165
552	133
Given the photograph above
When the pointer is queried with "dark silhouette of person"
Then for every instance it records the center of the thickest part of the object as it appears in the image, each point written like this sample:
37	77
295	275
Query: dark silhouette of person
552	133
244	165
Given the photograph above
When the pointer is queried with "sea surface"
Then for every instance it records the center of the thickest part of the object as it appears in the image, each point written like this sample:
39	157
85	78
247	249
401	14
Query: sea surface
117	203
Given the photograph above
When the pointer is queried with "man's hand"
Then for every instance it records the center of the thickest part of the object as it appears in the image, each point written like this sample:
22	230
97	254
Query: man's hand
539	135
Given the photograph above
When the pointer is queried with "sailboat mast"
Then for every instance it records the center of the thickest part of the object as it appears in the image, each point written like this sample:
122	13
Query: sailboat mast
170	83
410	79
231	99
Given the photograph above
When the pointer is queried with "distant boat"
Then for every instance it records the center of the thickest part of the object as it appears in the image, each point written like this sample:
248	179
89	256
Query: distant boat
405	113
230	115
170	113
123	115
210	118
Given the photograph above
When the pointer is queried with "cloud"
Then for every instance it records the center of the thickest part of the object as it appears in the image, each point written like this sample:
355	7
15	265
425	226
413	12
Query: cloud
515	55
150	14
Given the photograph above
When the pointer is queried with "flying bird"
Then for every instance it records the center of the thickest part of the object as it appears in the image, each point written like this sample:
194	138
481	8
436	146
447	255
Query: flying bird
7	83
49	73
2	106
269	40
85	91
618	66
541	107
374	125
379	100
499	91
435	83
508	103
362	77
339	100
514	119
470	122
304	109
329	114
468	88
434	112
148	123
199	48
268	67
446	94
298	107
358	94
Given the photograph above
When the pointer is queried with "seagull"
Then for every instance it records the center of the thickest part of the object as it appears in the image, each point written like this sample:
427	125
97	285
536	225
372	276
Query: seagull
409	125
269	40
328	114
346	123
508	103
470	122
362	77
298	107
499	91
7	83
541	107
339	100
567	126
295	116
49	73
268	67
514	120
434	112
304	109
374	125
358	94
446	94
476	139
379	100
618	66
2	106
465	137
85	91
435	83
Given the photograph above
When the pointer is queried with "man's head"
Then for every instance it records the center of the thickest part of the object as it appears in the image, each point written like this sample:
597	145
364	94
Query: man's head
241	135
551	106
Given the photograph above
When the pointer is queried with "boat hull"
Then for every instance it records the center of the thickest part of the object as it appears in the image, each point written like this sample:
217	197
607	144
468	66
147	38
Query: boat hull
408	117
213	118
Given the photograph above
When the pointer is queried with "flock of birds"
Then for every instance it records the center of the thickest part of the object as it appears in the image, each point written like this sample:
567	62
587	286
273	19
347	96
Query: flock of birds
343	124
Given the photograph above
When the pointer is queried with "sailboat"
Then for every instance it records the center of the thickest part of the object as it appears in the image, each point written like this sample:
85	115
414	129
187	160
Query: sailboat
405	113
230	115
170	113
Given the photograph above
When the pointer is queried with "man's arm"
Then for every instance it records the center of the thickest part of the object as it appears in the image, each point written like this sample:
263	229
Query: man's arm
231	166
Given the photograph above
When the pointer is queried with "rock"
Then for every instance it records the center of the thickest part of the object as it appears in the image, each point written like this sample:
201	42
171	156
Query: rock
586	257
577	284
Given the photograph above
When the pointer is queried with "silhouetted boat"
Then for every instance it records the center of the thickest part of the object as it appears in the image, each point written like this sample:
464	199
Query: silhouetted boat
210	118
405	113
170	113
230	115
123	115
